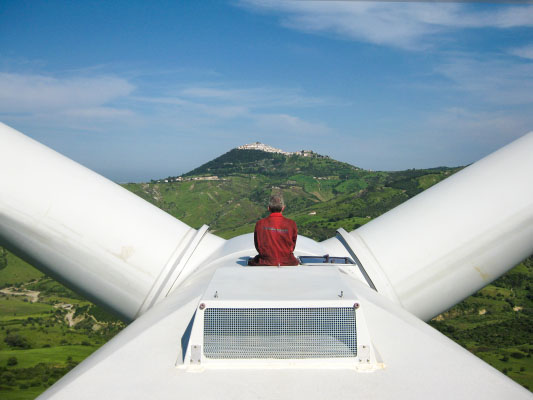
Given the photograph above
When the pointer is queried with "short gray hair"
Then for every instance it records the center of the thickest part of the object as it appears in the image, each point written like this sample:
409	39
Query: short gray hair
276	203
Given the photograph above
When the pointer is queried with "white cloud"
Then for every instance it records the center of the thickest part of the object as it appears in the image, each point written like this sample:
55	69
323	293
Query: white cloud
510	17
483	126
254	104
219	104
214	93
114	104
178	104
491	81
39	93
173	101
253	97
404	25
524	52
99	113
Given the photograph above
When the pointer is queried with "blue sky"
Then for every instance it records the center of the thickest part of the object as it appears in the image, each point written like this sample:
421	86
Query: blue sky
138	90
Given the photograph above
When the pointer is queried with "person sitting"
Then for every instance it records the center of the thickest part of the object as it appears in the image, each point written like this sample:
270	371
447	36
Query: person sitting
275	237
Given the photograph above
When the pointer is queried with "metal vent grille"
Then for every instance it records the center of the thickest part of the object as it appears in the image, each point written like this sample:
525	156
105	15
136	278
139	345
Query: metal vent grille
280	333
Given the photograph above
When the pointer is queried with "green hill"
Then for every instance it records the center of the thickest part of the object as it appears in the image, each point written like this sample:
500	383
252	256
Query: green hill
46	329
230	192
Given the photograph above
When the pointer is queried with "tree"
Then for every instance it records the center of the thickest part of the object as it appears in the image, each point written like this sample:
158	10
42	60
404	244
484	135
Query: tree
17	341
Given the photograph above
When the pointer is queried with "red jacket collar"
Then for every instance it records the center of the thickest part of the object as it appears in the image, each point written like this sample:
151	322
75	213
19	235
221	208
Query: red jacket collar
276	214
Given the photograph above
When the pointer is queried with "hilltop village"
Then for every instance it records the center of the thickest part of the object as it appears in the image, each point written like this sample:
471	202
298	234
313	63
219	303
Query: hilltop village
269	149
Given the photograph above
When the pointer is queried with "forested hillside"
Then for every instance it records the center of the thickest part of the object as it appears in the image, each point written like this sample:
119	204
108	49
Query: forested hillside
46	329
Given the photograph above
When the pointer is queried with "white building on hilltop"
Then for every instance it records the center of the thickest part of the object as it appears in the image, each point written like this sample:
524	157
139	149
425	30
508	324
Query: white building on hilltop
263	147
270	149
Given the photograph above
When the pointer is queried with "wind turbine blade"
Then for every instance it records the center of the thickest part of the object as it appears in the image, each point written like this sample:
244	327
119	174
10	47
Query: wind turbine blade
451	240
88	232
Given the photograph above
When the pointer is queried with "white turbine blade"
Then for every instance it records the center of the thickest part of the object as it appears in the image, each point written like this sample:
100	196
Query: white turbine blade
451	240
88	232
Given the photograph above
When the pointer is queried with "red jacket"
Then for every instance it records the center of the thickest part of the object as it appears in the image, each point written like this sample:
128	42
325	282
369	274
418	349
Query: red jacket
275	239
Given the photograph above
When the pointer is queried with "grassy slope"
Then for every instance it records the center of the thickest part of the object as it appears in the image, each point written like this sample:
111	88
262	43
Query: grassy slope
54	355
17	271
322	195
37	337
496	323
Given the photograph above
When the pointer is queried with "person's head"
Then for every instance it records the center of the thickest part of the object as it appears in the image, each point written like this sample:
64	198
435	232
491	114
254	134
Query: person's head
276	203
